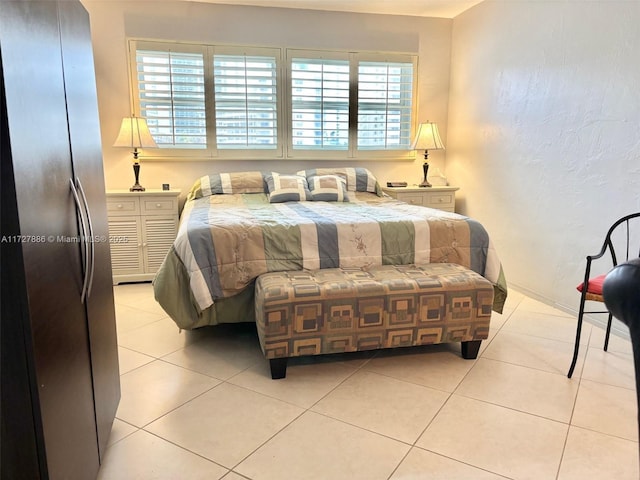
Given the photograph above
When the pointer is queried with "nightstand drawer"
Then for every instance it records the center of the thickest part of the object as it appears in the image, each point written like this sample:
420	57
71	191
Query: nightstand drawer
159	205
411	198
440	200
122	205
440	197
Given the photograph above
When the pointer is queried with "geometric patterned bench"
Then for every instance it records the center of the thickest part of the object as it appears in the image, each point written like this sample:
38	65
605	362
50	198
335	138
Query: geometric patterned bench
340	310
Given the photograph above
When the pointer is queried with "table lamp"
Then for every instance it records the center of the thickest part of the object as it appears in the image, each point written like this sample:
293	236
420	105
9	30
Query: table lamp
134	133
427	139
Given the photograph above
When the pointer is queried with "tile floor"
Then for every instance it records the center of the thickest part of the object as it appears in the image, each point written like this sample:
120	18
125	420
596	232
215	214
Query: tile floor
201	405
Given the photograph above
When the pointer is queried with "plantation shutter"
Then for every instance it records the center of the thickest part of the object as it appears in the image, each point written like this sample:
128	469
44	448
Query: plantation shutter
320	104
245	101
171	96
385	104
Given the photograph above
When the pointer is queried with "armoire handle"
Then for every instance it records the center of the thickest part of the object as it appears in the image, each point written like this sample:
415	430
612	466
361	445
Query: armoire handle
83	227
92	237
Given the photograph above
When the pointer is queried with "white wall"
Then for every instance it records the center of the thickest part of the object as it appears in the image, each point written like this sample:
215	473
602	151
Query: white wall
544	132
113	21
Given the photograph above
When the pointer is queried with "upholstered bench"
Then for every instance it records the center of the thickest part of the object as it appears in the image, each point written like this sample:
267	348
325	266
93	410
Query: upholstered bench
347	310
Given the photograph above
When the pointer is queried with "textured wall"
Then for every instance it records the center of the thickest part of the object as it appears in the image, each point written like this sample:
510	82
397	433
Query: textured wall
544	132
113	21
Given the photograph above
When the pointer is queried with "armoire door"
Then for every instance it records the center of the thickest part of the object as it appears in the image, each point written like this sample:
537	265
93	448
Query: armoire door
16	405
54	320
86	154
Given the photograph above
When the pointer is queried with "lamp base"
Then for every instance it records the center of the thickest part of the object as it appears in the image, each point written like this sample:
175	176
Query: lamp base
425	170
136	172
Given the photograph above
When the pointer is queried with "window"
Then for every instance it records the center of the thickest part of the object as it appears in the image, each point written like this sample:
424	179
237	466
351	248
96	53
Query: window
319	104
172	96
385	105
246	102
233	101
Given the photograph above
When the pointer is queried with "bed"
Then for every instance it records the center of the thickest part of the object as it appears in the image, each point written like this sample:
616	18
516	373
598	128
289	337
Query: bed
237	226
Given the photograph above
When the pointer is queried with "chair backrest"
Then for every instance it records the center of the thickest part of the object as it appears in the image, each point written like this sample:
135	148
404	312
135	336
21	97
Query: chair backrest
623	239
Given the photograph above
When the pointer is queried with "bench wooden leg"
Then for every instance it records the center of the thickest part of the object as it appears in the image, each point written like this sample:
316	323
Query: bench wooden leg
470	349
278	367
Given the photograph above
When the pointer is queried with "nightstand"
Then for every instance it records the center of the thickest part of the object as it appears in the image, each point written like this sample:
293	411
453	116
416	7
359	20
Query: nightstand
142	228
442	198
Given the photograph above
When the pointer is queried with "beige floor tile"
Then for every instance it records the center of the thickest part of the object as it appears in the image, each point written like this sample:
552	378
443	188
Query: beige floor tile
233	476
225	424
365	398
418	462
361	400
542	325
617	342
142	456
531	305
154	389
497	439
130	293
513	299
315	447
120	430
307	380
130	360
223	352
142	299
506	313
548	395
593	455
131	318
606	409
435	366
498	320
611	368
158	338
535	352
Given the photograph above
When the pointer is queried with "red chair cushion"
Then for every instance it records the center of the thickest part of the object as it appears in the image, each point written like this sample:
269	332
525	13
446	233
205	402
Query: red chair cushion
595	285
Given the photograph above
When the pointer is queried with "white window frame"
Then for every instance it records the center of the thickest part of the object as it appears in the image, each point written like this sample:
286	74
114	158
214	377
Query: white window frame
134	45
252	153
284	148
389	59
322	153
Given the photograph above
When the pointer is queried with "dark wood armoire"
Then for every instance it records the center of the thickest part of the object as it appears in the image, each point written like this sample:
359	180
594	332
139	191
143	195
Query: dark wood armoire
60	386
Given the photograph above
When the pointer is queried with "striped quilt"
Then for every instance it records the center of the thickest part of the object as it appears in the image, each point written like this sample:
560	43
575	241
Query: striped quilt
226	241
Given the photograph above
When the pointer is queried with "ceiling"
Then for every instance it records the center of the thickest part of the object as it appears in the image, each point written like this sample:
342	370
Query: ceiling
419	8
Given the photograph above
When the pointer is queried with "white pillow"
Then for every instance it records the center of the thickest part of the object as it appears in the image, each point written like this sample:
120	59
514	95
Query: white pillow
328	188
287	188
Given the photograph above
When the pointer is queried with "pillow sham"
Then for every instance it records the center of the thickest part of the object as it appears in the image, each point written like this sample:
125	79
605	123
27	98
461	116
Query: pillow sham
287	188
228	183
328	188
358	179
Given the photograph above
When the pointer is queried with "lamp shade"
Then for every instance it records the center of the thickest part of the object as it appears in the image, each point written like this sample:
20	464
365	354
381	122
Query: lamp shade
427	138
134	133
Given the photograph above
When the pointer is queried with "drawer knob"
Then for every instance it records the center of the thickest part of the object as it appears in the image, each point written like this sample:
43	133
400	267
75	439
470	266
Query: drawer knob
119	205
158	205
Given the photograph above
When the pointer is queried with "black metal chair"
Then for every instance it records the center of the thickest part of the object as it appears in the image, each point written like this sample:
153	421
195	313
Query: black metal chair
624	233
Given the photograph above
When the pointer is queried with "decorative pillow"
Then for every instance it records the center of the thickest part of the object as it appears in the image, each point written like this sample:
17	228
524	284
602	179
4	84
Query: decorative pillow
328	188
287	188
358	179
221	183
594	286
